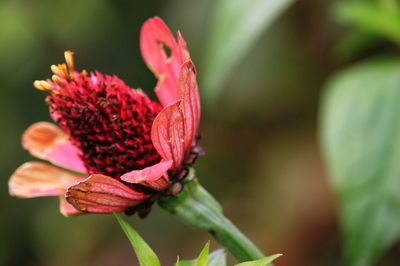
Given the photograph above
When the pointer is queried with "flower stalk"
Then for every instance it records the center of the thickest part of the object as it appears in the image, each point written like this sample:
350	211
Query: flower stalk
197	208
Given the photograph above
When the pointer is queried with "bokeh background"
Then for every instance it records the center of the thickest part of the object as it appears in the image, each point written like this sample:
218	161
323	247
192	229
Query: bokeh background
263	161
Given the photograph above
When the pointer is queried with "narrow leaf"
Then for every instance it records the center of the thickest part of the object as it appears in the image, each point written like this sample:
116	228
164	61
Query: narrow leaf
235	27
203	257
186	263
361	141
144	253
201	260
261	262
178	263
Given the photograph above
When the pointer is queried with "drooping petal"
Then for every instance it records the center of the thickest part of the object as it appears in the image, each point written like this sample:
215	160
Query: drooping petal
103	194
189	93
66	208
164	56
48	142
154	176
168	134
36	179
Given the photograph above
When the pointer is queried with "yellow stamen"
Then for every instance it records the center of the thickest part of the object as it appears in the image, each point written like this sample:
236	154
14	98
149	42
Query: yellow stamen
69	59
44	86
64	70
57	80
56	70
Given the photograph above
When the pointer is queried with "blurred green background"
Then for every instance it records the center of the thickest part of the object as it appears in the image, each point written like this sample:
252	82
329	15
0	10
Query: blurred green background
263	161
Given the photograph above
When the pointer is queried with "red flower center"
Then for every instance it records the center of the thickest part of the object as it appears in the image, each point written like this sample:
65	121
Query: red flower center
108	121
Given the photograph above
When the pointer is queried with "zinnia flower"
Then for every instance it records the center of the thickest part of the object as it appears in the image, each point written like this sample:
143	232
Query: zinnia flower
129	147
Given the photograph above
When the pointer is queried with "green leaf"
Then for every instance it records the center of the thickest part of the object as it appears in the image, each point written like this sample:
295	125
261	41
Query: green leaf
203	257
261	262
186	262
360	130
178	262
217	258
381	18
235	27
144	253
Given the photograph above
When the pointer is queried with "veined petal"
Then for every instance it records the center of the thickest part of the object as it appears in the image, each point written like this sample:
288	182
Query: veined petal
48	142
154	176
189	93
103	194
36	179
155	39
168	132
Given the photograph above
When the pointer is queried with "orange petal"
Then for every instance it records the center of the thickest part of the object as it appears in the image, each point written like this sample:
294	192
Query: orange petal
48	142
103	194
168	132
36	179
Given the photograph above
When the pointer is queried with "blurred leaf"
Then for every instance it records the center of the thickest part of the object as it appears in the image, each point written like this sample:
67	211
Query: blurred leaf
360	124
144	253
261	262
381	18
355	44
235	26
216	258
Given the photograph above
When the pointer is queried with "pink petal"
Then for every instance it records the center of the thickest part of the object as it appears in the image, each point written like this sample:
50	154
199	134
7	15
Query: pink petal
189	93
48	142
182	49
36	179
154	36
154	176
103	194
168	132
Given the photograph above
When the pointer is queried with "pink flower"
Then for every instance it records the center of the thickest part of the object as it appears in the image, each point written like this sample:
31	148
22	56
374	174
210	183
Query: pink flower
129	147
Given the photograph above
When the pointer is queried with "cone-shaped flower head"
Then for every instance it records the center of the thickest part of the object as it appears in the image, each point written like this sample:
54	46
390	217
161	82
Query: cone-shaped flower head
106	120
129	147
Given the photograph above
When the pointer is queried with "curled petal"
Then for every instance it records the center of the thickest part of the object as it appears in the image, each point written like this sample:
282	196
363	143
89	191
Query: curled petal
154	176
189	93
48	142
36	179
67	209
164	56
103	194
168	132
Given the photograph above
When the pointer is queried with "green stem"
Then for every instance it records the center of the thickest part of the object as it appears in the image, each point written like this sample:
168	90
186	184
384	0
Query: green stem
197	208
